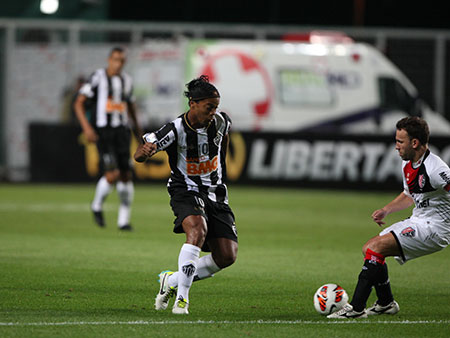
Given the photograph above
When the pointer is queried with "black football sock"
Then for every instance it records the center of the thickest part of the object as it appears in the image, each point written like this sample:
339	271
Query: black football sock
383	287
368	277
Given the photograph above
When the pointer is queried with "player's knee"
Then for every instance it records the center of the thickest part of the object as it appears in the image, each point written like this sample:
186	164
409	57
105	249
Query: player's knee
226	260
226	257
364	248
124	175
372	244
112	176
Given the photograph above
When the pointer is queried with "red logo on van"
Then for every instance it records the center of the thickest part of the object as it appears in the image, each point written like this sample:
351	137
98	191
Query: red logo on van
249	69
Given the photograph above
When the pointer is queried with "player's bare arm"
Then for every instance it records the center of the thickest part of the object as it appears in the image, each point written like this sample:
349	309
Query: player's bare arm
402	201
132	113
144	151
226	143
80	112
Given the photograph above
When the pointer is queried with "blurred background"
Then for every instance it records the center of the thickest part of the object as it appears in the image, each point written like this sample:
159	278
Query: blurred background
314	87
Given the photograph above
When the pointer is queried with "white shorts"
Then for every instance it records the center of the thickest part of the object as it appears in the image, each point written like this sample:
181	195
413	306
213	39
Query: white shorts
416	238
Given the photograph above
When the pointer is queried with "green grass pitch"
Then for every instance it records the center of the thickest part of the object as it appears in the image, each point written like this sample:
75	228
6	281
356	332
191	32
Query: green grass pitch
61	276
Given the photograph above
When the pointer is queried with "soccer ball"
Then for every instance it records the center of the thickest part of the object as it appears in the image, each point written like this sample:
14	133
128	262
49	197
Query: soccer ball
330	298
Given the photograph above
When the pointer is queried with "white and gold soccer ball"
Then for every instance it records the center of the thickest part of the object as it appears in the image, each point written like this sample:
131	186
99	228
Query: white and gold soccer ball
329	298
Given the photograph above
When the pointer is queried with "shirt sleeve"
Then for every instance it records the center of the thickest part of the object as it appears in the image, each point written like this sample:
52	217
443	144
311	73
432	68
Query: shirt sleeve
162	138
88	88
441	178
228	123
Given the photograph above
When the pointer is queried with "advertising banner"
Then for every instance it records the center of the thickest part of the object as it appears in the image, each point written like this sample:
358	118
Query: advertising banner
275	159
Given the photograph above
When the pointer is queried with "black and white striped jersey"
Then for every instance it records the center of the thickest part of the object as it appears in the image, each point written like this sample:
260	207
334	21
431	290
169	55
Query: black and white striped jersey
111	95
196	156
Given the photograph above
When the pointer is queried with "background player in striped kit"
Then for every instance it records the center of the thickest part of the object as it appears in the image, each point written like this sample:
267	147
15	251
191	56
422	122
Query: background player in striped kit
196	143
426	181
109	93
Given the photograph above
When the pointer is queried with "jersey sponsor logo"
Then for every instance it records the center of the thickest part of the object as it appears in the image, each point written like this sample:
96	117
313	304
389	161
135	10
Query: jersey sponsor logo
195	168
408	232
423	204
114	106
445	177
164	141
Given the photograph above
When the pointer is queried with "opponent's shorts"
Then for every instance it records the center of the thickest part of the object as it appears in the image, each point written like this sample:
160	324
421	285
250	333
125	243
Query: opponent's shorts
219	216
114	148
416	238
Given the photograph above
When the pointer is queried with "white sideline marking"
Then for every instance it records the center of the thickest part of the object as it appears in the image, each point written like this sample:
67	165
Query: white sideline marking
39	207
184	322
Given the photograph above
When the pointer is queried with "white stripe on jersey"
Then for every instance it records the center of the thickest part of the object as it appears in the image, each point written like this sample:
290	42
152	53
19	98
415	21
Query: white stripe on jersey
116	120
102	97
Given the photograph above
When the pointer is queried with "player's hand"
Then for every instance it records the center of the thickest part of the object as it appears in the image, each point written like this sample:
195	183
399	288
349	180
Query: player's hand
378	216
91	135
144	151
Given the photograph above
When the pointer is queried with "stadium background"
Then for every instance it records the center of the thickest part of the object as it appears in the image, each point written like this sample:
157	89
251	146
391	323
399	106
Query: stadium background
44	56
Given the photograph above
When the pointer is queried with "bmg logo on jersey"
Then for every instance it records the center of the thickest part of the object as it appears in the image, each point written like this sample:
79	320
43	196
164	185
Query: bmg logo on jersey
195	168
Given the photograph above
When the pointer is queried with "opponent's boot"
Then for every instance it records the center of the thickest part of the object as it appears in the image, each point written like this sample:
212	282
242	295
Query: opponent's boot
391	309
347	312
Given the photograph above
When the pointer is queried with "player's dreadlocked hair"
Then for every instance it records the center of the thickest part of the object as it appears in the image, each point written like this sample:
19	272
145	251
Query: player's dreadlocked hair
200	89
416	127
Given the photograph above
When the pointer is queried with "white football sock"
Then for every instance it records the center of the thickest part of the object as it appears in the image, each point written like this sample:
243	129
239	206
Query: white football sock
125	190
187	266
206	267
102	191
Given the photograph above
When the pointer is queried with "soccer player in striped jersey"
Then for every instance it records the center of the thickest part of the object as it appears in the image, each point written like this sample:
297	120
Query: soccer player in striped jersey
426	181
109	92
196	143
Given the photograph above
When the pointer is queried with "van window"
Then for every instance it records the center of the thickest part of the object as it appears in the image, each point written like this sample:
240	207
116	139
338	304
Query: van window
303	87
393	96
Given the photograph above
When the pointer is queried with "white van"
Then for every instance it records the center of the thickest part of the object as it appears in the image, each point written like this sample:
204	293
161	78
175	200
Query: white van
328	83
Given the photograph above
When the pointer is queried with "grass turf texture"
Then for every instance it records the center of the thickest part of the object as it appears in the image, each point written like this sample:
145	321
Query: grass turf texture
60	275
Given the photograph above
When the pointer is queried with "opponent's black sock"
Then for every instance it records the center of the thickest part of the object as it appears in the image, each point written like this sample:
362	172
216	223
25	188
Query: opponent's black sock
383	287
368	277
